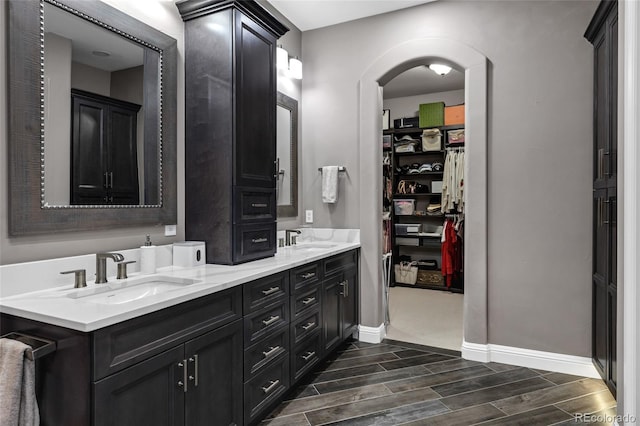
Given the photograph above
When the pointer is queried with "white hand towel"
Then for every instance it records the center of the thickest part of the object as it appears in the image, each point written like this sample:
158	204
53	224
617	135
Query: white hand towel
18	405
329	184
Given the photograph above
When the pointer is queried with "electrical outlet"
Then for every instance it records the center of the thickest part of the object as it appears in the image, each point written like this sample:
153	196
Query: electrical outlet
308	216
170	230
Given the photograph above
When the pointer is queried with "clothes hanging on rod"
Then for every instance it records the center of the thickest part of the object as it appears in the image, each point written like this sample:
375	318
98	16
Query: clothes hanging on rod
453	181
452	249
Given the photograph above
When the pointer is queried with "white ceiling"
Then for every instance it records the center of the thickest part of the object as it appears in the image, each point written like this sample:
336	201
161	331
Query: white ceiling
421	80
311	14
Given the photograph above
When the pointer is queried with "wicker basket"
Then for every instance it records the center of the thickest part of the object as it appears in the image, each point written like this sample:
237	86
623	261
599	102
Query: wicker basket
429	277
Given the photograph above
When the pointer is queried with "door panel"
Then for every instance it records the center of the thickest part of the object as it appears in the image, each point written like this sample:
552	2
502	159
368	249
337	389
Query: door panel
214	393
331	312
146	394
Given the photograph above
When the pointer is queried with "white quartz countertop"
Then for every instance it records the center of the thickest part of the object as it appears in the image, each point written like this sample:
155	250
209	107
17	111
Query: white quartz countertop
57	305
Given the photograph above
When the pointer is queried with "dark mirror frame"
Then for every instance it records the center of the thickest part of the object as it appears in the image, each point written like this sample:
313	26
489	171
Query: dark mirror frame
291	210
27	213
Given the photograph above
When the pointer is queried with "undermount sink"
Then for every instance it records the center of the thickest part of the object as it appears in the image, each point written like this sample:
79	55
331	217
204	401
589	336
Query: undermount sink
130	290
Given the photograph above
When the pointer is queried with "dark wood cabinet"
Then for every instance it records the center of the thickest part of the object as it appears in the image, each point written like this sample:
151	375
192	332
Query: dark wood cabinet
197	383
104	150
221	359
339	299
603	34
230	147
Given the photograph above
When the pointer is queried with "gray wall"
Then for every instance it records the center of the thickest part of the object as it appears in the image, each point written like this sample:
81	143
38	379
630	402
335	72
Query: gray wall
407	106
163	16
539	149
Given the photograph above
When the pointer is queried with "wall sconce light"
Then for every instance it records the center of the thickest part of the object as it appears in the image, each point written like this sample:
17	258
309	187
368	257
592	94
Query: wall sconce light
282	58
440	69
291	67
295	68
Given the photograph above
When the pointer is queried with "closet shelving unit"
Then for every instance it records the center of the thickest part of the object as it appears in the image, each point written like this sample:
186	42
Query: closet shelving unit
422	247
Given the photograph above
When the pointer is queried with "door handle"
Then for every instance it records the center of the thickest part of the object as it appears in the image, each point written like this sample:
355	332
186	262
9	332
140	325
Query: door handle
345	288
111	180
183	383
276	164
194	360
105	182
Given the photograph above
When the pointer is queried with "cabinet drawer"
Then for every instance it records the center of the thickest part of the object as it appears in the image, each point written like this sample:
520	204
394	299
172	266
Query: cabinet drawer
255	204
305	301
129	342
261	323
265	291
304	276
341	262
263	352
265	388
305	356
305	326
255	241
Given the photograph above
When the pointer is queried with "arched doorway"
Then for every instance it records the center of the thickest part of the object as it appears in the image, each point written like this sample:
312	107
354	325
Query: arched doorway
399	59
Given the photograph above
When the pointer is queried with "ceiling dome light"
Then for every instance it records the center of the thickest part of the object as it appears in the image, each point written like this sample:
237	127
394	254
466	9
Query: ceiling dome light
101	53
440	69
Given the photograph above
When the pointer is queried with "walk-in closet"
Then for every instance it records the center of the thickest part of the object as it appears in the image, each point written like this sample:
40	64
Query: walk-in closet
423	164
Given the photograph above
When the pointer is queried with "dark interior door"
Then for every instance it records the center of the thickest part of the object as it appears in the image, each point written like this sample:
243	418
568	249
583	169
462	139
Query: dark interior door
603	34
123	166
89	137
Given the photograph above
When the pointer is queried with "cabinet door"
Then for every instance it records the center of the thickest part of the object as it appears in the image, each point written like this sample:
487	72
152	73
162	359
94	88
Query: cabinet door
149	393
123	161
331	321
349	303
255	149
88	138
214	385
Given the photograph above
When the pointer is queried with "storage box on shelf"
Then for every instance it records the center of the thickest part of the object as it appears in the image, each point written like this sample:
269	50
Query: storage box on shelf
416	167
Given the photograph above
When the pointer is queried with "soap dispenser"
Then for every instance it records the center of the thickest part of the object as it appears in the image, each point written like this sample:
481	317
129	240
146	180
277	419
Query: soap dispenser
148	257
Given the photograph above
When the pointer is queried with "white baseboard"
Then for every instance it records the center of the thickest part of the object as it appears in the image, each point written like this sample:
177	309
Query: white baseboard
561	363
371	334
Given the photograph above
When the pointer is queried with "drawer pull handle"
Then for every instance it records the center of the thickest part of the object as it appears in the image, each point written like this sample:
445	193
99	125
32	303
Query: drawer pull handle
308	355
271	351
308	300
271	320
308	275
259	240
309	325
270	291
259	205
272	386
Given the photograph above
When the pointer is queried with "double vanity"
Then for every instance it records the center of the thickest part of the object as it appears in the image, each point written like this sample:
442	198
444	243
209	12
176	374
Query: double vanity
202	345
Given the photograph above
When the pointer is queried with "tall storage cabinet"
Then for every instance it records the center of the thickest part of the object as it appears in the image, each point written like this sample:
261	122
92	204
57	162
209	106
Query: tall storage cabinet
230	153
603	34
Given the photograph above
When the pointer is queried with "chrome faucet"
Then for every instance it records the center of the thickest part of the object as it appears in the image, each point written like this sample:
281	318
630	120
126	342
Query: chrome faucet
101	265
287	239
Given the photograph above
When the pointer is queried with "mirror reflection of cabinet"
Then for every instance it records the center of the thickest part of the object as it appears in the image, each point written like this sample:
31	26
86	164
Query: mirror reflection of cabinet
104	165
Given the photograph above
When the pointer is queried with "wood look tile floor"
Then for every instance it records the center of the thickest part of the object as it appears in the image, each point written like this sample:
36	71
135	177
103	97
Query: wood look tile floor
397	383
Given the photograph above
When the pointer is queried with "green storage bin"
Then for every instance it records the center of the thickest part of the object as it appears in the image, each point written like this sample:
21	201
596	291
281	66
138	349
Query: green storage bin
431	115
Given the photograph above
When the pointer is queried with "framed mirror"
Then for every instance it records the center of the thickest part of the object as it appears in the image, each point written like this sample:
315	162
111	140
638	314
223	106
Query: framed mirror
287	154
92	118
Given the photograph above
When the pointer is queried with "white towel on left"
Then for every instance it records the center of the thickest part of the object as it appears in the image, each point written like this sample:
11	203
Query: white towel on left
18	404
329	184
